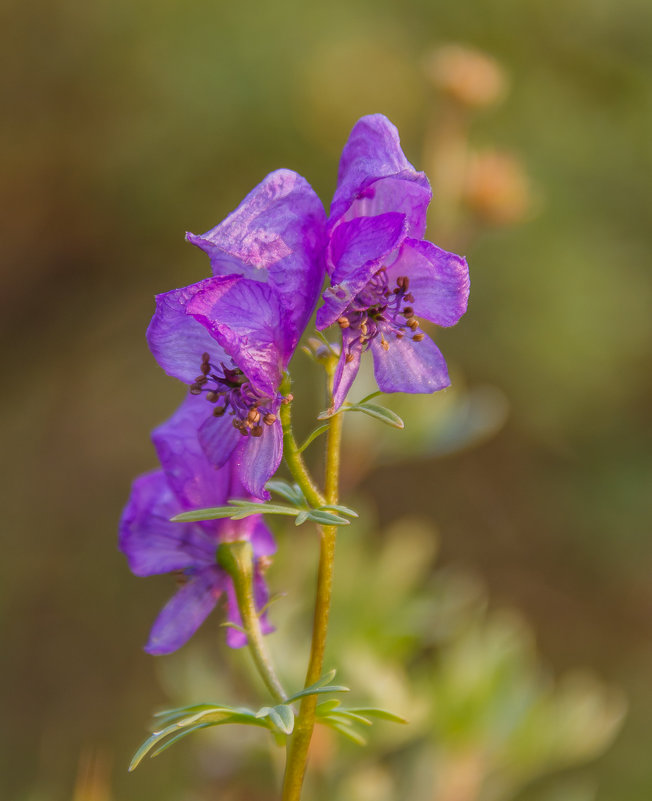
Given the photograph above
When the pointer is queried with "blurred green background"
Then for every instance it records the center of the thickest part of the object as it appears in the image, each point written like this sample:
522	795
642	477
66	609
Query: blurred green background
126	124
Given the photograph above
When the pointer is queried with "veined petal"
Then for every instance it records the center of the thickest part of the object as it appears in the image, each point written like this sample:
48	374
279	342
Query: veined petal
245	317
409	366
277	235
190	474
373	151
186	611
439	281
357	251
178	340
363	240
151	543
218	439
346	371
258	458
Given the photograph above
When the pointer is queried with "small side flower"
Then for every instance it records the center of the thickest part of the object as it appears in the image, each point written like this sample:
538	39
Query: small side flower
153	545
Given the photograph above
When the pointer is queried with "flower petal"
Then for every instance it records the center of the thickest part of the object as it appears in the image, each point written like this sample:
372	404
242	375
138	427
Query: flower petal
190	474
345	372
357	250
151	543
373	151
186	611
276	234
178	340
409	366
439	281
218	439
244	316
258	458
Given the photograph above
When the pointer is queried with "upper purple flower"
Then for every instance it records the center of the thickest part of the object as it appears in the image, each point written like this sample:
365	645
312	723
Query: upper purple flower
383	274
154	545
231	336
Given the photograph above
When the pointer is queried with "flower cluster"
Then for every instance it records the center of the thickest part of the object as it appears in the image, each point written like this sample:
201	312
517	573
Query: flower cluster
231	336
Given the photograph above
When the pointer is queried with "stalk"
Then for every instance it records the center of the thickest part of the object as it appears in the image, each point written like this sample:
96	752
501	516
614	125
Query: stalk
305	721
237	559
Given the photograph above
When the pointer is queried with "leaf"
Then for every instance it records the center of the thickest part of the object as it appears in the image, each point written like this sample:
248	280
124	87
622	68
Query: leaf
173	740
376	712
281	716
324	708
313	436
236	510
381	413
345	510
327	518
291	492
301	517
347	731
371	396
320	686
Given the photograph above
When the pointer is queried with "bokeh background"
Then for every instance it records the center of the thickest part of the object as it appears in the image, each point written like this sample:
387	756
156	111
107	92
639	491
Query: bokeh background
126	124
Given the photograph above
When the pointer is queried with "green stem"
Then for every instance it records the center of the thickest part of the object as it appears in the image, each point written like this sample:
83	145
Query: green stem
237	559
305	722
292	454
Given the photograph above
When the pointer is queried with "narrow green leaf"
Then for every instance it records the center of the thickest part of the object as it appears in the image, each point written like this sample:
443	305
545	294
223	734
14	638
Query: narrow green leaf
301	517
371	396
173	740
286	715
315	690
228	625
345	510
291	492
376	712
347	731
237	510
324	708
346	715
327	518
313	436
386	416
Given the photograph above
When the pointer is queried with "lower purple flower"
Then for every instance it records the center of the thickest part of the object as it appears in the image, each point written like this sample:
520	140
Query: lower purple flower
154	545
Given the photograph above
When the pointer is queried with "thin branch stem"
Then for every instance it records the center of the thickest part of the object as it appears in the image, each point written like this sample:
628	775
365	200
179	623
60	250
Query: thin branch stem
237	559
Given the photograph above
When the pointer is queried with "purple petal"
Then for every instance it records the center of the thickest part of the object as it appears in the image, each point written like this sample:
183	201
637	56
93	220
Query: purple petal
151	543
178	340
409	366
357	250
244	316
190	474
261	538
363	240
218	439
439	281
345	372
186	611
258	459
276	234
372	152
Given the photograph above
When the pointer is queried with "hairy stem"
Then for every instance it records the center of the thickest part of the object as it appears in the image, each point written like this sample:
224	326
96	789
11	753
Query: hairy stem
237	559
305	722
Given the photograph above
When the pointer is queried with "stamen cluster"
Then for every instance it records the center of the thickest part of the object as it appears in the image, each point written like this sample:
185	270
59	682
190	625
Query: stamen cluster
379	310
230	386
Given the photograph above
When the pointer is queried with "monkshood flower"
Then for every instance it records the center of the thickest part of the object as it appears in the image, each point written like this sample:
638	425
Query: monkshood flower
231	337
154	545
384	275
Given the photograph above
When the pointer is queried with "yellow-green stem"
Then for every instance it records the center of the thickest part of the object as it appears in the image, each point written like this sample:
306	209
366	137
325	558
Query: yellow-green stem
300	742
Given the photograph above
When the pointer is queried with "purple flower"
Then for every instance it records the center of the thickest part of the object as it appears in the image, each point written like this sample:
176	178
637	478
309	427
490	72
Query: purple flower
231	336
154	545
384	276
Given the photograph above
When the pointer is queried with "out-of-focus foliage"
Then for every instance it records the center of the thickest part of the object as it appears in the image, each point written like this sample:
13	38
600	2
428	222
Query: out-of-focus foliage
485	717
124	124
